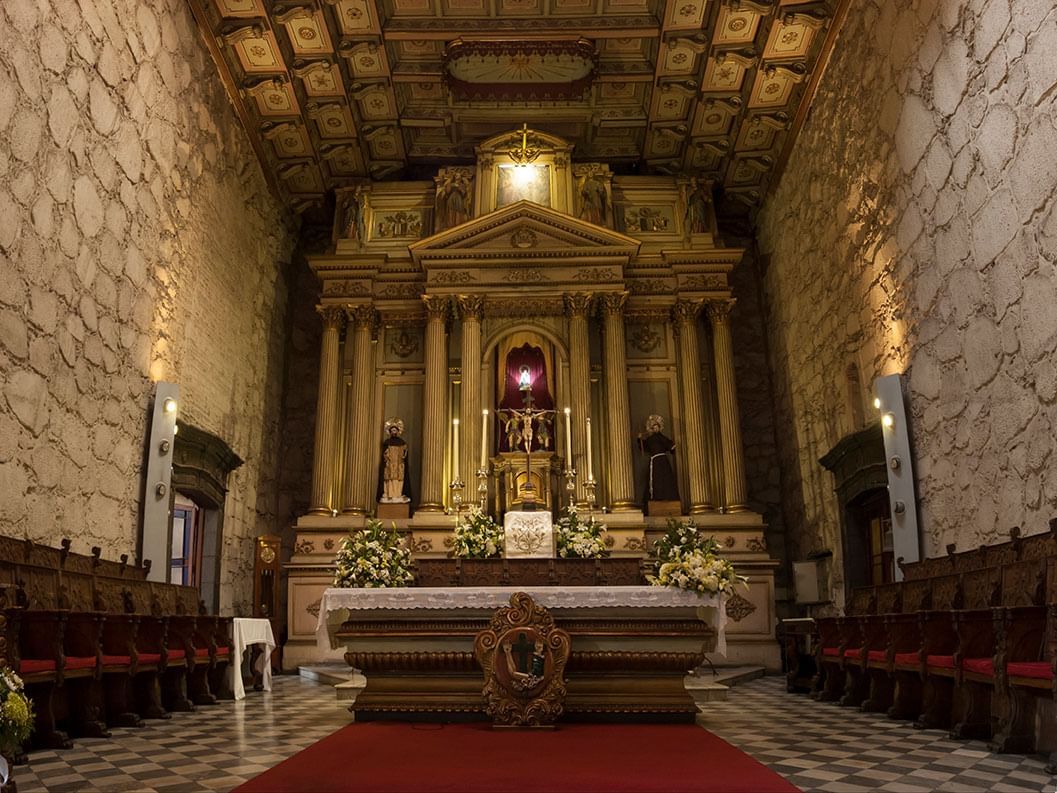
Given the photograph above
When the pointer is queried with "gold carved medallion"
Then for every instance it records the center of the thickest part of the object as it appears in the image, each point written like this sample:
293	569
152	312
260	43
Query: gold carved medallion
523	656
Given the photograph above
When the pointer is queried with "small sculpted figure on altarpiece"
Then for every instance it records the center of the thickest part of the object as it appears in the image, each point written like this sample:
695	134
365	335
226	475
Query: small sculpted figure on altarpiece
523	656
662	490
394	484
454	197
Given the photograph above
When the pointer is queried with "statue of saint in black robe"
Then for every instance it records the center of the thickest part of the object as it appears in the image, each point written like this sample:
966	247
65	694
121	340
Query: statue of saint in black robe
660	473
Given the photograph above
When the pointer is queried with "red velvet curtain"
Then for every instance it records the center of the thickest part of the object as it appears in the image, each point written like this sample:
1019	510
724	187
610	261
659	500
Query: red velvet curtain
530	356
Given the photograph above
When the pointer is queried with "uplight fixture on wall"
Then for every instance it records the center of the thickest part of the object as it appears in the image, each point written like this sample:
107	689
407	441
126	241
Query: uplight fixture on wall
156	530
890	401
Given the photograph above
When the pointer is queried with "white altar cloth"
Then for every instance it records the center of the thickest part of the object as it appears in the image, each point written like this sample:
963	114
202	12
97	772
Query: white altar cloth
528	535
247	631
711	609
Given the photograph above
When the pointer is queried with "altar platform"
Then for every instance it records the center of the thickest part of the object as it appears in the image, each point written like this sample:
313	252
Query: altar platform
631	648
751	612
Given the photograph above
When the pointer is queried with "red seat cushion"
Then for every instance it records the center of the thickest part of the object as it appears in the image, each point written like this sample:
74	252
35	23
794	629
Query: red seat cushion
86	662
876	655
1042	670
225	650
855	652
908	658
149	658
201	652
116	660
941	661
176	654
33	666
831	652
982	666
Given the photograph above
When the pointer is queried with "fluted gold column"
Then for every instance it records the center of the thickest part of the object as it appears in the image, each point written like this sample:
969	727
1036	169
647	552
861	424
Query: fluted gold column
324	456
435	401
714	454
685	316
615	370
357	454
470	309
577	307
726	390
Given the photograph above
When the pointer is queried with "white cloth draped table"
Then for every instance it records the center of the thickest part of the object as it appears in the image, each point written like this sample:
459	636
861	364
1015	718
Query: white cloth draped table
247	631
711	609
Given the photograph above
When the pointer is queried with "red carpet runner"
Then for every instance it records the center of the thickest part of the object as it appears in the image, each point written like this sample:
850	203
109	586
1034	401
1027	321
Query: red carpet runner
377	757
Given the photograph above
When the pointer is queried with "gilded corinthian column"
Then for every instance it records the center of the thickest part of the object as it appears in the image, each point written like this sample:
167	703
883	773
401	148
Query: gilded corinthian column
685	317
435	402
357	453
729	425
324	457
577	307
470	309
621	483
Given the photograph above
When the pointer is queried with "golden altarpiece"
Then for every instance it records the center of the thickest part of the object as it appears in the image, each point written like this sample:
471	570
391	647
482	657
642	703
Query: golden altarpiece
611	291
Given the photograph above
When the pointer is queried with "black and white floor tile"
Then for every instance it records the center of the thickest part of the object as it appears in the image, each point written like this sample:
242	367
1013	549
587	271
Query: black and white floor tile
215	748
824	747
818	747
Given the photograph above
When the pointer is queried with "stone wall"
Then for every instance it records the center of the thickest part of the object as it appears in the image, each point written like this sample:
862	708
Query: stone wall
756	402
138	242
914	230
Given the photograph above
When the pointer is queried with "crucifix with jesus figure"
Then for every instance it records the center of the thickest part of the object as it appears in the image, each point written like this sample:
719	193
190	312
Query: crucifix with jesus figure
528	418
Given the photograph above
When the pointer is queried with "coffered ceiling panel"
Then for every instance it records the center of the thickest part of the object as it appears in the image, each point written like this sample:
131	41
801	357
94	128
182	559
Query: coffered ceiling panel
335	91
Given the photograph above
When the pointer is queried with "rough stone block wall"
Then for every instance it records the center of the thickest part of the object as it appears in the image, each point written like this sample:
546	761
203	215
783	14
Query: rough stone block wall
756	402
138	242
915	230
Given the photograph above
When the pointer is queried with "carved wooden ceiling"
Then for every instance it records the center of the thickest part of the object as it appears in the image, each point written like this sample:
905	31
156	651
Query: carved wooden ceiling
338	90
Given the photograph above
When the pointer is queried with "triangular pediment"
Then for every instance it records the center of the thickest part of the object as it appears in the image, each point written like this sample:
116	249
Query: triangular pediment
524	229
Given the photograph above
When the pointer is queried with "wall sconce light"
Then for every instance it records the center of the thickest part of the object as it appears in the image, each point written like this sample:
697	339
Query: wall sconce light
877	403
888	420
169	404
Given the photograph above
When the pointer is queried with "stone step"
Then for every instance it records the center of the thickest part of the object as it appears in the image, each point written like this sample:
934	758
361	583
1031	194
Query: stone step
330	674
704	686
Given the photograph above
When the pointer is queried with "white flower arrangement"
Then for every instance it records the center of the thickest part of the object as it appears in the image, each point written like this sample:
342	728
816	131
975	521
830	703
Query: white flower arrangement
584	539
477	536
16	718
373	557
686	560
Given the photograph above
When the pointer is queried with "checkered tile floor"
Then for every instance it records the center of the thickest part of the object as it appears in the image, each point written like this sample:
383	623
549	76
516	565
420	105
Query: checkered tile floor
822	746
215	748
816	746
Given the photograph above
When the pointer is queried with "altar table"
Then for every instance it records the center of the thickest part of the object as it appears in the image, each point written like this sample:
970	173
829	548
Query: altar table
245	632
631	647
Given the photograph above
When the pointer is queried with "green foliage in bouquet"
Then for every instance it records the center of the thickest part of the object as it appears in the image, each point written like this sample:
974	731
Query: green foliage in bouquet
373	557
585	539
16	713
477	536
682	538
686	560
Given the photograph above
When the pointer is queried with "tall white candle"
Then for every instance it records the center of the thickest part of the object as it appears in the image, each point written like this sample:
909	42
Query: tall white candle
484	440
590	470
455	451
568	441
